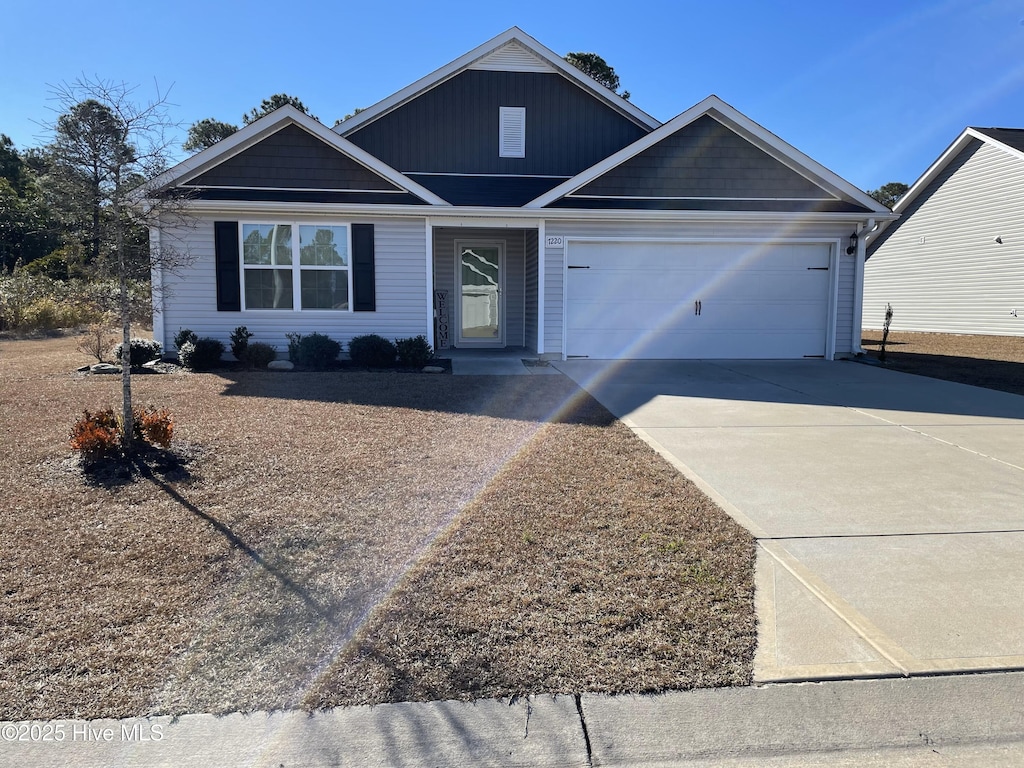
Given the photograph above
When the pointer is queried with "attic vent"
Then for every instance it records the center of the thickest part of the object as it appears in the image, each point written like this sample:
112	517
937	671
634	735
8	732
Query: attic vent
512	57
512	127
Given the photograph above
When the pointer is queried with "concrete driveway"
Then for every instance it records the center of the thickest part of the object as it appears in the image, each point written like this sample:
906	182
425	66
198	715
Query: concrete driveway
888	508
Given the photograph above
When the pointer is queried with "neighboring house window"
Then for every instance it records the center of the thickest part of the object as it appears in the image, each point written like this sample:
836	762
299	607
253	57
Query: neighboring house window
512	128
296	266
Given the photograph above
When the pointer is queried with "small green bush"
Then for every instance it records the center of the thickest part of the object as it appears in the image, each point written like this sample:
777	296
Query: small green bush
201	354
258	355
183	335
415	352
293	346
316	351
239	341
142	351
373	351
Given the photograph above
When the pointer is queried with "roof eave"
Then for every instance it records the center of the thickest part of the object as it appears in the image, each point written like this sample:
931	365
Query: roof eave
713	105
253	133
463	62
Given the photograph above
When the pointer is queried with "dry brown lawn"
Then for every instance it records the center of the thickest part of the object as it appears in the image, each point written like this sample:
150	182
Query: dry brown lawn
995	362
338	538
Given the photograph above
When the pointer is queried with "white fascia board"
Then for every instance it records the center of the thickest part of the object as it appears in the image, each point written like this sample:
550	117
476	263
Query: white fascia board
954	149
735	120
467	216
453	68
251	134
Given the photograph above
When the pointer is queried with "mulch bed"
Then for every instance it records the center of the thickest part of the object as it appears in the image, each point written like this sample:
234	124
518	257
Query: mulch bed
995	362
317	539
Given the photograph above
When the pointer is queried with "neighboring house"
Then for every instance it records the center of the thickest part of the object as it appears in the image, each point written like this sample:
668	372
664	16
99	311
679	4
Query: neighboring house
508	200
954	261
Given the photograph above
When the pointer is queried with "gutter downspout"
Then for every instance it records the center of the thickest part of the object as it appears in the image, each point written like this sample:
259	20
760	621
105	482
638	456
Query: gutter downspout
858	282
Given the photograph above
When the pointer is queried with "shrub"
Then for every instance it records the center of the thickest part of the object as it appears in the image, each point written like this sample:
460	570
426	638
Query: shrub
414	352
201	354
141	351
293	345
316	351
97	435
239	341
183	335
258	355
96	341
373	351
153	426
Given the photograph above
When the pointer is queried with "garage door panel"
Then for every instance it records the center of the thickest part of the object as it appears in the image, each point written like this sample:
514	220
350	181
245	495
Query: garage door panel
603	316
757	300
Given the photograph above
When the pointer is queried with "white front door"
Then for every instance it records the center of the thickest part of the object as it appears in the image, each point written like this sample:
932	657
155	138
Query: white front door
478	265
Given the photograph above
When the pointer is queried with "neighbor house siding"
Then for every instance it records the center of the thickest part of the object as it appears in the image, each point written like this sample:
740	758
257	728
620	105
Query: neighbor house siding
190	297
940	267
555	260
513	275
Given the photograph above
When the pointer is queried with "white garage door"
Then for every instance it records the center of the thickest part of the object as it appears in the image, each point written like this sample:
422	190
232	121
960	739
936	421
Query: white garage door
659	300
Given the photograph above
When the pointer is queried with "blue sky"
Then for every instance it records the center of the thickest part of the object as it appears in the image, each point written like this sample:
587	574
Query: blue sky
872	90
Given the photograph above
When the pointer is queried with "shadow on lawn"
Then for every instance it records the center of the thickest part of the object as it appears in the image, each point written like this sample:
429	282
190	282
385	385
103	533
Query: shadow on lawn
143	469
1003	375
554	399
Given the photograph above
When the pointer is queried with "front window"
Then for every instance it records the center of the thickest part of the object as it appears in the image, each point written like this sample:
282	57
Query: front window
282	271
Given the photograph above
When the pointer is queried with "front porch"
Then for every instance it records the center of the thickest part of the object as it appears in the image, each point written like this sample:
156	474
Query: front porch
485	291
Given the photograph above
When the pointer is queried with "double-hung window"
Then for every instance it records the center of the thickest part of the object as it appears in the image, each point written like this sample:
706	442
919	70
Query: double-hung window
296	266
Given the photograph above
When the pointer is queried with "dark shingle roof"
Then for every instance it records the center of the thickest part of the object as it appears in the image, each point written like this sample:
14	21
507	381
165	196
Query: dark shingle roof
1011	137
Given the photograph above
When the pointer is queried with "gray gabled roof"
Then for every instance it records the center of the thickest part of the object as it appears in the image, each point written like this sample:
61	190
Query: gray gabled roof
1011	137
512	36
1009	140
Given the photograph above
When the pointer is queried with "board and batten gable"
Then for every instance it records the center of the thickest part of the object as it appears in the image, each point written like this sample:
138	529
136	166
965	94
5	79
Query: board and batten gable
453	127
940	266
189	296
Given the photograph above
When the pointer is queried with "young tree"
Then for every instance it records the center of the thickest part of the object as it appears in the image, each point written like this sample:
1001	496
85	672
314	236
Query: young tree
107	138
203	134
274	102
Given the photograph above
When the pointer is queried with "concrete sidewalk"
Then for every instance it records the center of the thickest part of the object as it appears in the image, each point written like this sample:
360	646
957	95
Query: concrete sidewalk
953	721
889	508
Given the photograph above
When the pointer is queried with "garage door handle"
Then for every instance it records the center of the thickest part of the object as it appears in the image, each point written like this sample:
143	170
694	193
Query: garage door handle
573	266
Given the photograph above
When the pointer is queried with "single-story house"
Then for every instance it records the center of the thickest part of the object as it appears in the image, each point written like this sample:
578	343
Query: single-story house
954	260
509	201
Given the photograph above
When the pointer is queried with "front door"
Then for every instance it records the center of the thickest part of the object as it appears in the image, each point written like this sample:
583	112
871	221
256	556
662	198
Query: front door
479	268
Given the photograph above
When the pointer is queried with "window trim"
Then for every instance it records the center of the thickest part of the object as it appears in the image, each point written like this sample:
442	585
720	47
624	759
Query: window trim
296	266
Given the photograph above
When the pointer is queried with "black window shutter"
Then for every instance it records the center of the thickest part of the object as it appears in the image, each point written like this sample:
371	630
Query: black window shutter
364	289
225	243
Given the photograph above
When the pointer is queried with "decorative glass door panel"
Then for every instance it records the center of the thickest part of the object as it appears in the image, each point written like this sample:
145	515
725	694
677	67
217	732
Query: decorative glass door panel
479	266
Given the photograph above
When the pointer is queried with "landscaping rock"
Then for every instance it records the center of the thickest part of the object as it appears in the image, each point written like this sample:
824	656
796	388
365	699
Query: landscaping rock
433	369
104	368
280	365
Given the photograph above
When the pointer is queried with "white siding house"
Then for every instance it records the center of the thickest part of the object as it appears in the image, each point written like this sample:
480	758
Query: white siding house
954	261
597	232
